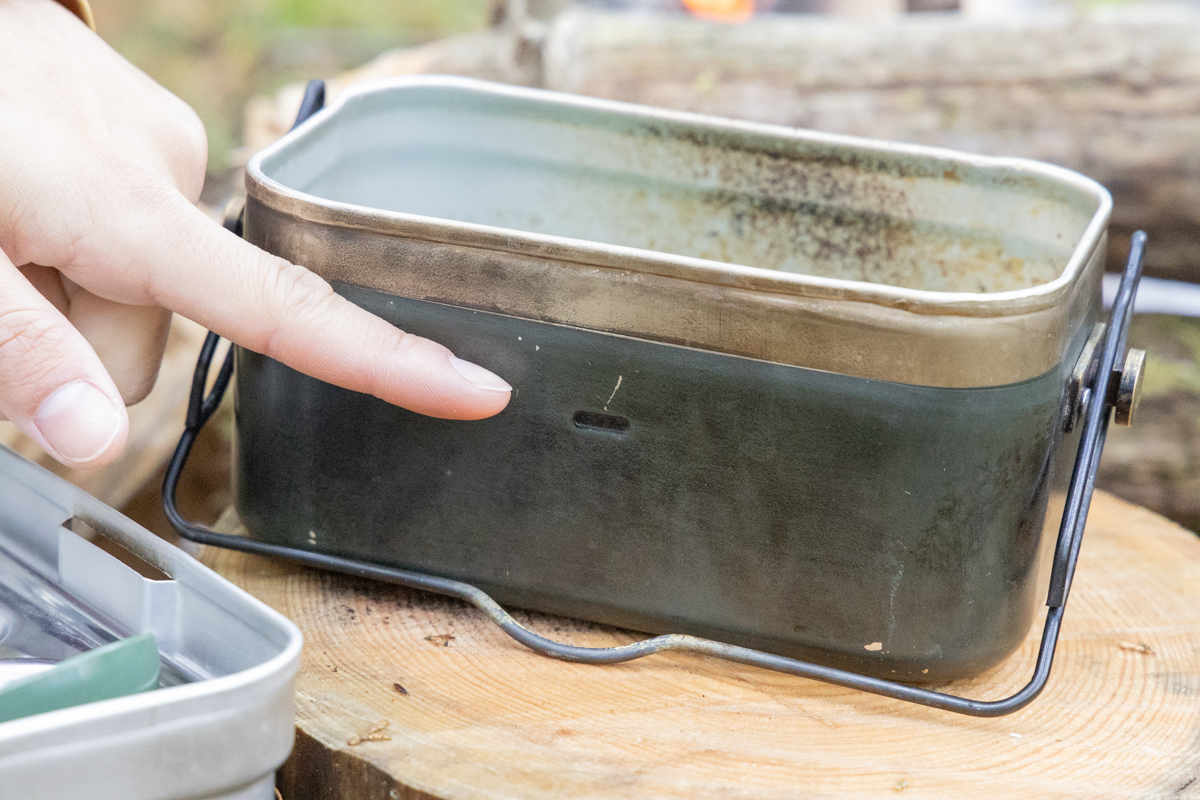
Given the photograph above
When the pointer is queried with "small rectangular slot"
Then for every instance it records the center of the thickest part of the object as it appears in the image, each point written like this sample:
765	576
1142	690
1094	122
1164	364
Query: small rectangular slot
89	533
604	423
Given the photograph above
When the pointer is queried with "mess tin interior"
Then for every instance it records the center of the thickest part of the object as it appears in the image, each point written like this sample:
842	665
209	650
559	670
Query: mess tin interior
621	195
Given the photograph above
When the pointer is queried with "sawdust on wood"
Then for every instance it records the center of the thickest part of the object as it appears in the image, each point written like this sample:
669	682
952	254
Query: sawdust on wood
373	734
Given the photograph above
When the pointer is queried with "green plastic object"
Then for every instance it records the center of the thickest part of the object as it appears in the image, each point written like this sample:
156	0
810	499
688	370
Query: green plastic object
125	667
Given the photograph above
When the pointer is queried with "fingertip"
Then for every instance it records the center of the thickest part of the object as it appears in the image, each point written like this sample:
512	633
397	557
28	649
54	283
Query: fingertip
427	378
490	393
480	378
81	425
487	403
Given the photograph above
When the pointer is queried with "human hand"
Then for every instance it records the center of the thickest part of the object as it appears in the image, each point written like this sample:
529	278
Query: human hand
99	171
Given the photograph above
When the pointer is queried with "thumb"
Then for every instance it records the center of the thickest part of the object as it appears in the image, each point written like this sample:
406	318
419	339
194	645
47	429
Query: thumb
52	384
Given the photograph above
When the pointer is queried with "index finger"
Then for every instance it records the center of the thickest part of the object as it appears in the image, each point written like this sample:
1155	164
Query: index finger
289	313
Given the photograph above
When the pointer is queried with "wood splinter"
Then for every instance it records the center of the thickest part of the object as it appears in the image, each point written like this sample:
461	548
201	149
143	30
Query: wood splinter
371	735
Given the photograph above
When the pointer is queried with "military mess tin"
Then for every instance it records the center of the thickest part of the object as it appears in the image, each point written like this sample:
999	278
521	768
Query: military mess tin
792	392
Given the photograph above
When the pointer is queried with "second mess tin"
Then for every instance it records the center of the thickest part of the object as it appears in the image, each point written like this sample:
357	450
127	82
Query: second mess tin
805	393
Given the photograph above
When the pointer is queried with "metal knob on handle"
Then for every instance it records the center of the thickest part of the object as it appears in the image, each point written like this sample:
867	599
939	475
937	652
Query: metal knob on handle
1126	386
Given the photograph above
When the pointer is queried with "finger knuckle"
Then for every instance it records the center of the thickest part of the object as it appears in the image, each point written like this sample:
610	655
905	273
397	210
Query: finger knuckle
405	343
22	330
192	132
26	337
180	143
295	295
192	146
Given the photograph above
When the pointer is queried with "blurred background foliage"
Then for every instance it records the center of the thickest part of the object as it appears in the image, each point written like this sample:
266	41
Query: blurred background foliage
216	54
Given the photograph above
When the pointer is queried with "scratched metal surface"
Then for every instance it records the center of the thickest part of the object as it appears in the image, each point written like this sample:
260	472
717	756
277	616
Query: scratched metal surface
890	529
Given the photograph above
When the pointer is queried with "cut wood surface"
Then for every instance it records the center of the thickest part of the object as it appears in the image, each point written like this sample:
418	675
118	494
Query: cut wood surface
439	703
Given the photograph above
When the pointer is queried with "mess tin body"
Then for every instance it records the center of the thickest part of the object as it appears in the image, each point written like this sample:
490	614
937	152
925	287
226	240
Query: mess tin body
806	393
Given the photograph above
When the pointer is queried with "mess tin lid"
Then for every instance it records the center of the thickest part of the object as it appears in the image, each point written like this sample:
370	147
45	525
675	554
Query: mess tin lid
123	658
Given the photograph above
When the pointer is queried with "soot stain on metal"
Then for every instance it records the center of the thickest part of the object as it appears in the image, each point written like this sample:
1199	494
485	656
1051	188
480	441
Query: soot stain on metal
827	234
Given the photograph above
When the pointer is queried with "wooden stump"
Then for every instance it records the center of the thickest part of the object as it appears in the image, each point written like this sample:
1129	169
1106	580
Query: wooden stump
472	714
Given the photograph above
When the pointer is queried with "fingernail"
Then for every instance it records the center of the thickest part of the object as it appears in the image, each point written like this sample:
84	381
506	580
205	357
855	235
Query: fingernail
479	376
78	421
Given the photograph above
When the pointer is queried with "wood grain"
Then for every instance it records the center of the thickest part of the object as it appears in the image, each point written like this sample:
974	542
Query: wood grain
482	717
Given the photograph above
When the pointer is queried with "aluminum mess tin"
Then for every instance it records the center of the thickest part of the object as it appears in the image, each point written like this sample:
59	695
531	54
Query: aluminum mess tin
221	721
806	393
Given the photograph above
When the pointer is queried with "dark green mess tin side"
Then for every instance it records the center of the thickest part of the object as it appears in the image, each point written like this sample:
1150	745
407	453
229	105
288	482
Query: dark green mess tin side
889	529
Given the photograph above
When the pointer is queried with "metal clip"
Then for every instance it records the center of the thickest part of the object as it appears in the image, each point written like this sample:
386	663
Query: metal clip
1081	376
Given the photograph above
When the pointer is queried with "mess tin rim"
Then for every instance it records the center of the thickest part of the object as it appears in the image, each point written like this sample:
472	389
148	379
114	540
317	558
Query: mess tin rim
321	210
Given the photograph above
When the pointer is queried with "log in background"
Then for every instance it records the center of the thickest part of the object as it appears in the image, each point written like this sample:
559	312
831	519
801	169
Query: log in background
1111	90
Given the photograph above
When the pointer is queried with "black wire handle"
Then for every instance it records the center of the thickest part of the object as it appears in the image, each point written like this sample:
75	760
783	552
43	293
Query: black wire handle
1097	407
